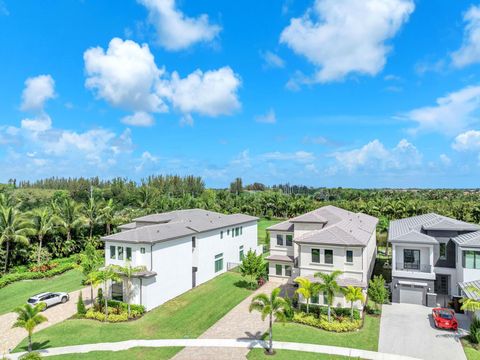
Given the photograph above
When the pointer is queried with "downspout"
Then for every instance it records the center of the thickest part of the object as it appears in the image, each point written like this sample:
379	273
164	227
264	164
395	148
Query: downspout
141	285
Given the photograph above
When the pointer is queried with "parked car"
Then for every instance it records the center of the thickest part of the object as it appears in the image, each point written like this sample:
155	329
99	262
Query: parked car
49	299
444	318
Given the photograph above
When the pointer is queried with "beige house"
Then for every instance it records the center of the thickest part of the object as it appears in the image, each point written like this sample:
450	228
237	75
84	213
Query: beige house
324	240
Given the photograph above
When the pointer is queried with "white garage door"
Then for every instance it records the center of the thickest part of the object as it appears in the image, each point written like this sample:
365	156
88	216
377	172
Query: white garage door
411	295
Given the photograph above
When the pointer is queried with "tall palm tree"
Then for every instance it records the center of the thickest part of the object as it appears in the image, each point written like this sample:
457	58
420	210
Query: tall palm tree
353	294
42	224
13	229
92	215
127	272
28	318
329	287
107	215
89	263
68	215
105	275
273	306
307	289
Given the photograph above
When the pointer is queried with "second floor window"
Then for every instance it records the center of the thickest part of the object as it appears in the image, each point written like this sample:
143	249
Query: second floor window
120	252
280	240
315	255
328	256
471	260
129	253
221	234
288	240
349	256
112	252
288	270
443	251
194	242
142	250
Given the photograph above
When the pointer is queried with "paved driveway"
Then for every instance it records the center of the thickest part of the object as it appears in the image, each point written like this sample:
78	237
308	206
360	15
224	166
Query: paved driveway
409	330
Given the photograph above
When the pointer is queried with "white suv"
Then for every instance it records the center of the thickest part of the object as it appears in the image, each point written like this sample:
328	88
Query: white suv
48	298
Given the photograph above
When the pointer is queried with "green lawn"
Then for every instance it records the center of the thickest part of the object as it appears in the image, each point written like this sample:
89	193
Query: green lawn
17	293
134	354
186	316
259	354
366	338
470	352
262	225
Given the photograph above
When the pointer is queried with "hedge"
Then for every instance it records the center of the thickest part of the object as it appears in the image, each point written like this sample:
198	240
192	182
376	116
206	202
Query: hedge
124	306
323	323
114	315
319	310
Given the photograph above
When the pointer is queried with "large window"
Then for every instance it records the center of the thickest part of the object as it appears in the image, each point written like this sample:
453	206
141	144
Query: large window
280	240
120	252
328	256
117	291
278	269
288	240
443	251
219	262
237	231
411	259
129	253
112	252
349	256
241	254
288	270
471	259
315	255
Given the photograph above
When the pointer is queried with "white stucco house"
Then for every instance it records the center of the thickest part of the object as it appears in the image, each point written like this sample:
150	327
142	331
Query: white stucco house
178	250
324	240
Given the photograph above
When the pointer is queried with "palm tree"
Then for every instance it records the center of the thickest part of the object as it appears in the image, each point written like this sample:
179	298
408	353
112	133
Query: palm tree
107	215
42	224
353	294
271	306
128	272
307	289
89	263
13	229
91	215
28	318
329	287
68	215
469	304
105	275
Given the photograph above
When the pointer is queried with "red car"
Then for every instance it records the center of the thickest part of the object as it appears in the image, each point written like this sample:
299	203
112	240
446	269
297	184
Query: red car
444	318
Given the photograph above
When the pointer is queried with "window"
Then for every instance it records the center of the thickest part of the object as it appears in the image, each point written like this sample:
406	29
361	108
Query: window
443	251
219	262
237	231
278	270
142	250
288	270
411	259
315	255
117	291
233	233
120	252
328	256
228	232
349	256
241	253
129	253
112	252
280	240
288	240
194	242
241	230
221	234
314	299
471	259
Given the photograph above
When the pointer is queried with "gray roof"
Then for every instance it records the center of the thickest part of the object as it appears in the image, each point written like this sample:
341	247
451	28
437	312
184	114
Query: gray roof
341	281
468	289
416	238
336	227
128	226
162	227
401	230
284	258
468	240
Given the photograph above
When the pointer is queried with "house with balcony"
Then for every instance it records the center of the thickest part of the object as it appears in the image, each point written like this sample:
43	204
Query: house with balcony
433	256
177	251
324	240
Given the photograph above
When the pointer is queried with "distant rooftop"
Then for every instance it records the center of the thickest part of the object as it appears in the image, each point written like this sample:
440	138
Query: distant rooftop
174	224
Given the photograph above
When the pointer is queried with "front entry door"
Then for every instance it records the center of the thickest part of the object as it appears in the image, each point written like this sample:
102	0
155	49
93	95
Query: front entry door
441	284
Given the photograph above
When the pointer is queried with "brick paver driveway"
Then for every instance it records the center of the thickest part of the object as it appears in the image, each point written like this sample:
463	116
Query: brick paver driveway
10	338
409	330
239	323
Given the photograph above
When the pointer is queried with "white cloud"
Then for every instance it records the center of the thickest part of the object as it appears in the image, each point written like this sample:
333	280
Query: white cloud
469	52
272	60
125	75
467	141
139	118
451	114
38	124
37	91
445	160
209	93
375	156
346	36
146	159
268	118
299	156
176	31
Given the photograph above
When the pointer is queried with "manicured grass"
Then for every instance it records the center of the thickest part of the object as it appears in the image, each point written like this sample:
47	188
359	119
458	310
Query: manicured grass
131	354
366	338
262	225
259	354
186	316
470	352
17	293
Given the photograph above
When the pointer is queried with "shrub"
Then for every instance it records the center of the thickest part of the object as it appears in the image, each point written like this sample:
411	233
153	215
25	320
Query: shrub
475	331
31	356
117	312
377	291
323	323
95	315
319	310
81	310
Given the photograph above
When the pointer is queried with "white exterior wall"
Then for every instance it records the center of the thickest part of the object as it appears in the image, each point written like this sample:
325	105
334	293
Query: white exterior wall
138	259
465	275
369	256
281	250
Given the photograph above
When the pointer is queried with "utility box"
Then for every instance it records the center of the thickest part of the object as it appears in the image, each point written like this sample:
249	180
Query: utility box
431	299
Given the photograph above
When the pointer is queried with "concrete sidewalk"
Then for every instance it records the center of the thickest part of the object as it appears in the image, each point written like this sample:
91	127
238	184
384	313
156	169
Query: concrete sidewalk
198	344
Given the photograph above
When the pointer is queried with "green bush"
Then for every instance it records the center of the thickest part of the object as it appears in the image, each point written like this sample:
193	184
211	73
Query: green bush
123	306
31	356
322	323
475	331
95	315
117	312
319	310
81	310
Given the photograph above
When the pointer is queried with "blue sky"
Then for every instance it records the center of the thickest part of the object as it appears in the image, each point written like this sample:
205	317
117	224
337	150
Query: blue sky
374	93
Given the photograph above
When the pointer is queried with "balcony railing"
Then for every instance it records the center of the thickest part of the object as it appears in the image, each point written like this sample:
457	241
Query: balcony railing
413	267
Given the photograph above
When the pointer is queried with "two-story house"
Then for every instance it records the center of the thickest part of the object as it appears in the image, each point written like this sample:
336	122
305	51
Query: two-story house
432	257
178	250
324	240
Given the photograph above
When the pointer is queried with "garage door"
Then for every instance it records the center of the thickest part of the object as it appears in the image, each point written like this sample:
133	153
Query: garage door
411	295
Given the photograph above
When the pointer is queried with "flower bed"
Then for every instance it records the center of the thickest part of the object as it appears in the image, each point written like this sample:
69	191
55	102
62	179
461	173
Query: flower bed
117	312
336	325
319	310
